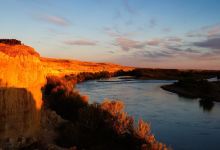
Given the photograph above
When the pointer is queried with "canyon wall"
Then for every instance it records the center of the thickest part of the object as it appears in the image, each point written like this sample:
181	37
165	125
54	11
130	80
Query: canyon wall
21	78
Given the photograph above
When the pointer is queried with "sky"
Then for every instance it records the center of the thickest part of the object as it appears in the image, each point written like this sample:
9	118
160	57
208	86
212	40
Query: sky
181	34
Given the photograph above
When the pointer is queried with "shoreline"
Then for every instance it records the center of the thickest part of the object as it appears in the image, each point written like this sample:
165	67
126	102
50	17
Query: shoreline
211	94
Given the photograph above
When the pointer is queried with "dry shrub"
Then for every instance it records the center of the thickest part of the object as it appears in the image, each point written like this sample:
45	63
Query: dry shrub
113	107
60	96
96	126
55	84
106	126
143	130
10	41
121	122
84	76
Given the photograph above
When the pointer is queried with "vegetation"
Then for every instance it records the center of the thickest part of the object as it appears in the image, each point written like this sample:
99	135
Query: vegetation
169	74
95	126
59	96
84	76
10	41
196	88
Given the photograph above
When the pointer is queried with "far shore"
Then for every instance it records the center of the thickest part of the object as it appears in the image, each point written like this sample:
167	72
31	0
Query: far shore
207	91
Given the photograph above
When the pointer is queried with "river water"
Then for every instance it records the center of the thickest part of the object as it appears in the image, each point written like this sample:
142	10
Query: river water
181	123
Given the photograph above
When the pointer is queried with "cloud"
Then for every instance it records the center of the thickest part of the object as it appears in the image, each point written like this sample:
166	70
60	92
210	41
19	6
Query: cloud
81	42
194	34
111	52
184	50
128	44
213	31
153	54
167	29
206	31
213	55
213	43
173	43
157	54
117	15
154	42
128	7
129	22
152	23
115	32
56	20
174	39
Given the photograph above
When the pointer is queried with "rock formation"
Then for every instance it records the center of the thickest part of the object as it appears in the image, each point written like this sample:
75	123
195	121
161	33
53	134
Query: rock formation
23	72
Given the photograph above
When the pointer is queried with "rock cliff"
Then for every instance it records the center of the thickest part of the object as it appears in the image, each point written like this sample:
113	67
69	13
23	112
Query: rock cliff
22	74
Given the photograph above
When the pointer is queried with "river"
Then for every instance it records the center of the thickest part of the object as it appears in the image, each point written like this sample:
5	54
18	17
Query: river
181	123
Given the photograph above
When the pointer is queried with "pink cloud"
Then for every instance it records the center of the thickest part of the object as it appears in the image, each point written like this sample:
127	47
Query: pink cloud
213	31
127	44
81	42
54	20
154	42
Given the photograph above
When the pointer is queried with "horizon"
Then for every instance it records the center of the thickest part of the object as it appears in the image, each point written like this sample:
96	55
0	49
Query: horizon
153	34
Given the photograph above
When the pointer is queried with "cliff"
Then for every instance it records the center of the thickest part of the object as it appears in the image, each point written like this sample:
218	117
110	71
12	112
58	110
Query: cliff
61	67
23	72
22	66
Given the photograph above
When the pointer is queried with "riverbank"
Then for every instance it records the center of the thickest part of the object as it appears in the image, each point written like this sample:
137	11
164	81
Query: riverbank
207	91
169	74
95	126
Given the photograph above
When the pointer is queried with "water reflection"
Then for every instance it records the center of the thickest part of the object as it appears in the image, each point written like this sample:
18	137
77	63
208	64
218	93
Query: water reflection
206	105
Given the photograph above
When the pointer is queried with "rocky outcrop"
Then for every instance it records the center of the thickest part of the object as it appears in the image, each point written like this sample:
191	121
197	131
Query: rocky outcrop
21	79
20	66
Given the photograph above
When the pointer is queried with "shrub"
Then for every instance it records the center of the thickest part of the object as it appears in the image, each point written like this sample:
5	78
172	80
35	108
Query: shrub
106	126
10	41
60	96
84	76
95	126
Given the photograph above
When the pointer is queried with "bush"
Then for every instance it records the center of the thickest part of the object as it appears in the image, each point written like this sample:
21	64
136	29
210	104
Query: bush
84	76
10	41
95	126
60	96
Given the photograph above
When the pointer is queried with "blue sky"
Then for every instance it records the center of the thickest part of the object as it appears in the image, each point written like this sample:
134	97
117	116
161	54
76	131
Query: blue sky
144	33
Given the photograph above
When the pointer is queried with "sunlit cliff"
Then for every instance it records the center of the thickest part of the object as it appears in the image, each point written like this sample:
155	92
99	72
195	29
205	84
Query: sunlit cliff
23	73
22	67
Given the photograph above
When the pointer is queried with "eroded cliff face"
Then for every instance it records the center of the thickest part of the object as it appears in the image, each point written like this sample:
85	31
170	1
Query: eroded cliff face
20	66
21	79
19	116
22	74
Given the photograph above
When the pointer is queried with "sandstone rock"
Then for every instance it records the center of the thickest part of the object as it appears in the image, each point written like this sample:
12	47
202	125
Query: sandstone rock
22	74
